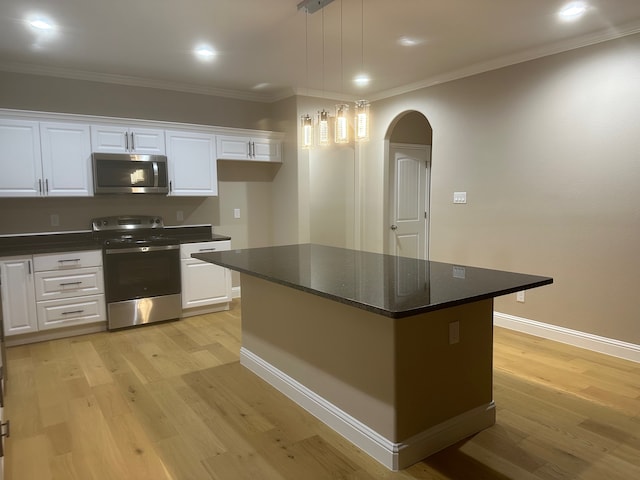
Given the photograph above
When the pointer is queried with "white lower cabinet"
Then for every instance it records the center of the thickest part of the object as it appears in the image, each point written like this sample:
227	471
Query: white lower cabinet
47	291
18	295
205	287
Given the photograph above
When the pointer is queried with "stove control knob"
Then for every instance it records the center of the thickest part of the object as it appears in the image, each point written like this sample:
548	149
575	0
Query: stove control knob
105	222
157	220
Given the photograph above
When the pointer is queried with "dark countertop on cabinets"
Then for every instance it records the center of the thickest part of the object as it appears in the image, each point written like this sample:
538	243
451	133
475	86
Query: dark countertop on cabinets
29	244
392	286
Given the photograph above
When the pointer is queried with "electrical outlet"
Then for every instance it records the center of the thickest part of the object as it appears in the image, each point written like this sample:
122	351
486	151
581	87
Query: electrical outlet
459	272
454	332
55	220
520	296
180	215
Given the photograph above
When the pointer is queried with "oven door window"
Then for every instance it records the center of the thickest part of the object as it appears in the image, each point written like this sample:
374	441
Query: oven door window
142	274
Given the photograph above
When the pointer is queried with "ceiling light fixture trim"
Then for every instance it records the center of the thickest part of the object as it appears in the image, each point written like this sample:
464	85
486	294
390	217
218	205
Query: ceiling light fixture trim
312	6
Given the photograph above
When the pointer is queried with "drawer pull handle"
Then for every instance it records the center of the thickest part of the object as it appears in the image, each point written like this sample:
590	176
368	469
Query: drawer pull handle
73	312
70	283
69	260
207	249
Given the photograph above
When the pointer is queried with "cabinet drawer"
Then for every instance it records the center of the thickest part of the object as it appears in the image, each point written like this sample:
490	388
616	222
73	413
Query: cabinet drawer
74	311
65	261
186	249
70	283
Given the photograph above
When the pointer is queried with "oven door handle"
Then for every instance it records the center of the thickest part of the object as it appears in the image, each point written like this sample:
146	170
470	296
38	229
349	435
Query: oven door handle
152	248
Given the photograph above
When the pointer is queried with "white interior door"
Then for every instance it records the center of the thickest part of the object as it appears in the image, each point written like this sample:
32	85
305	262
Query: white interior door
409	175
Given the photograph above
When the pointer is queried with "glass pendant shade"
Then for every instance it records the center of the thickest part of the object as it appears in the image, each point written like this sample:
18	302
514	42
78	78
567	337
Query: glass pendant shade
362	121
342	124
306	131
323	127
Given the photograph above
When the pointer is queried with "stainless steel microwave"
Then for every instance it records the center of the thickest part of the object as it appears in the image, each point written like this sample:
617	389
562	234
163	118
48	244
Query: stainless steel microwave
126	173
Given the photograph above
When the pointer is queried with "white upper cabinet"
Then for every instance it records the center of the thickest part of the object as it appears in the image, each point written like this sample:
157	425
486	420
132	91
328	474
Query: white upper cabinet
66	159
44	159
125	139
192	164
20	159
46	154
248	148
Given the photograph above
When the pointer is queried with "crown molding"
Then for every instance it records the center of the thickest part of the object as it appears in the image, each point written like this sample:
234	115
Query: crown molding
519	57
131	81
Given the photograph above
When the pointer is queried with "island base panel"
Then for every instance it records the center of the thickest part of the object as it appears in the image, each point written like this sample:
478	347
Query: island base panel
394	387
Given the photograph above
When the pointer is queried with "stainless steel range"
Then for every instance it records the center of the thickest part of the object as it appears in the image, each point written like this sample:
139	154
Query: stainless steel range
141	270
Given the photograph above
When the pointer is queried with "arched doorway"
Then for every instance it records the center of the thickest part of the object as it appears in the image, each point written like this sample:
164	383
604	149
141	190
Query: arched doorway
408	141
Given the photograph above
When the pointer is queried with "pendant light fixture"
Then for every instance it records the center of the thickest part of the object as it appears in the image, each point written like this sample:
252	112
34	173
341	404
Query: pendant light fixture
362	121
323	116
306	122
342	122
341	126
361	127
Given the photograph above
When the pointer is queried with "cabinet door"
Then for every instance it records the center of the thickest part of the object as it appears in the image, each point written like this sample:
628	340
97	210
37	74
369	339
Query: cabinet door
204	284
148	141
18	296
267	150
123	139
66	159
20	159
192	164
110	139
233	148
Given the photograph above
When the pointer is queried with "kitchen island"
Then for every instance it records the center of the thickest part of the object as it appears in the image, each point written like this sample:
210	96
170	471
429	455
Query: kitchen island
393	353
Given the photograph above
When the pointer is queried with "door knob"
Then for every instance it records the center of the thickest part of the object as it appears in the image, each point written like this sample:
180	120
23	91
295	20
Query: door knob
394	227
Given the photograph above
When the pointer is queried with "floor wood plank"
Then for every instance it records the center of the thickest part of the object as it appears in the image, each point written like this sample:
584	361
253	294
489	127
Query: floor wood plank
172	402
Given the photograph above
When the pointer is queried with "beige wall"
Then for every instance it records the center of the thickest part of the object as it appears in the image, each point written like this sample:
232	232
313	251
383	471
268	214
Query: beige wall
547	152
51	94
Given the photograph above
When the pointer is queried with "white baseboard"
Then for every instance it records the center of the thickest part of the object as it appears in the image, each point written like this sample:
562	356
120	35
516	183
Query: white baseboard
235	292
55	334
608	346
392	455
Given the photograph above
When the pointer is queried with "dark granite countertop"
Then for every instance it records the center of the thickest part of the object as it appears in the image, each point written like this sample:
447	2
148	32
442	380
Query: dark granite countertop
35	243
384	284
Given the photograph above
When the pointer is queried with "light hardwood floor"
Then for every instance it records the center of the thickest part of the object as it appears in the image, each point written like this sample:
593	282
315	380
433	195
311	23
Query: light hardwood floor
171	401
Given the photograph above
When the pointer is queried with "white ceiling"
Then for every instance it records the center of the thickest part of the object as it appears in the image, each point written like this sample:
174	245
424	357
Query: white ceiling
150	42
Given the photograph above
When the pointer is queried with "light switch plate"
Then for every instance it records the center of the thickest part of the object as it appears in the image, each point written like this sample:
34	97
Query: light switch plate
459	197
236	213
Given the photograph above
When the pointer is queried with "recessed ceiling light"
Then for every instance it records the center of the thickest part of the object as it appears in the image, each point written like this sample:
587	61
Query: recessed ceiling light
40	24
572	11
204	52
362	80
409	41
